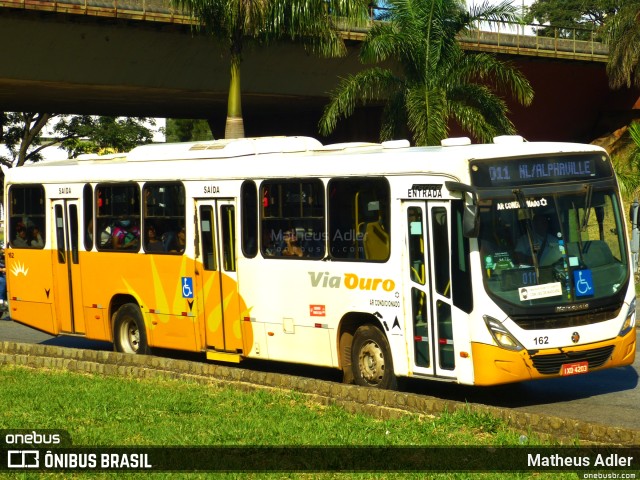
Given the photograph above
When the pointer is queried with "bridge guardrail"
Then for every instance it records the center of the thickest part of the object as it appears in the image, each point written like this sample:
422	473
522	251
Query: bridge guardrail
148	10
510	38
501	38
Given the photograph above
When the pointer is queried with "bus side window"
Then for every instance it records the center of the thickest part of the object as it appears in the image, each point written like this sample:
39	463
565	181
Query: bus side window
249	226
118	218
26	215
164	215
87	204
359	219
292	219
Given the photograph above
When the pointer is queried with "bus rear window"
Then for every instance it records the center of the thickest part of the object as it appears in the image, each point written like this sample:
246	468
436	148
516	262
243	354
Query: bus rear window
26	216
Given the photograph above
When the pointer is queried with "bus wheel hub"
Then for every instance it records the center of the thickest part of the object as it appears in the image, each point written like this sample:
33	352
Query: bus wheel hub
372	362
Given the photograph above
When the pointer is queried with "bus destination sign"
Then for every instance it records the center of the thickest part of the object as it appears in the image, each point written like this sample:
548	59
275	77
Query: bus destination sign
522	171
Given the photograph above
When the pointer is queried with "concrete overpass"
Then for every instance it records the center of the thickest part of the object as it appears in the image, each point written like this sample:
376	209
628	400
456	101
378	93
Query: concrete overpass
141	58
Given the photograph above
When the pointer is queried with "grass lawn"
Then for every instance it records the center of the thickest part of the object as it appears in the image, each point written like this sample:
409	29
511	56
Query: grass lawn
114	411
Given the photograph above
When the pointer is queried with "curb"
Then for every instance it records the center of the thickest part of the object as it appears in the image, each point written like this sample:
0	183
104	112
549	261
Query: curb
383	404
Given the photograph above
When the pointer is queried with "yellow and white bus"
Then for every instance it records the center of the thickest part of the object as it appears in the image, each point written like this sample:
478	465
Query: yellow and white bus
381	260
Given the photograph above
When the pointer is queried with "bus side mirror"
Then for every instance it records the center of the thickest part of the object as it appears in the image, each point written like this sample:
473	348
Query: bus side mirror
470	218
470	221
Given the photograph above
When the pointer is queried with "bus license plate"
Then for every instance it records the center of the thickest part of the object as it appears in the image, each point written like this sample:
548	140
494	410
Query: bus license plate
575	368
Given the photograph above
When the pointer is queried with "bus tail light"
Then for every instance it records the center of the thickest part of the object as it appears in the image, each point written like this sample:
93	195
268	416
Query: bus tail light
501	335
630	320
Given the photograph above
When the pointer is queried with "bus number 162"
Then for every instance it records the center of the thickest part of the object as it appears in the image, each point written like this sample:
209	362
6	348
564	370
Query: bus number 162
541	340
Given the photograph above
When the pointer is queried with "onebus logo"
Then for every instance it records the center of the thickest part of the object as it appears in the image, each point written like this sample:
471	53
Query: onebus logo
33	438
350	281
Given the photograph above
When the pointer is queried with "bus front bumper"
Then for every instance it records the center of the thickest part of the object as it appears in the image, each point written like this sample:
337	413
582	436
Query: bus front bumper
494	365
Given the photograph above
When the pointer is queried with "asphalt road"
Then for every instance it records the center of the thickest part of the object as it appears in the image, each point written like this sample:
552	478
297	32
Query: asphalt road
609	397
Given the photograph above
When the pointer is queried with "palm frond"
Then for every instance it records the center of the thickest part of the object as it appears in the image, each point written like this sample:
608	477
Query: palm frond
426	115
622	34
503	12
369	85
503	75
478	111
394	117
438	78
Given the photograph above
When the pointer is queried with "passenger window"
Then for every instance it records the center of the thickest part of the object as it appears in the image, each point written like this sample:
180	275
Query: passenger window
26	216
118	217
416	245
207	238
249	196
87	204
292	219
359	219
228	227
164	218
460	266
440	240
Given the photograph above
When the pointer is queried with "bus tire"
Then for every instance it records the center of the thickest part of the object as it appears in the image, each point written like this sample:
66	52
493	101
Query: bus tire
129	334
371	359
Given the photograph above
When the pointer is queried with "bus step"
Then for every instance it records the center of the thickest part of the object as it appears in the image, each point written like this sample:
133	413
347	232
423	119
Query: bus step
223	356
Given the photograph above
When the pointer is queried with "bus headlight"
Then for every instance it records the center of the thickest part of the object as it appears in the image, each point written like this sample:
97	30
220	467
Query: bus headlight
630	320
501	335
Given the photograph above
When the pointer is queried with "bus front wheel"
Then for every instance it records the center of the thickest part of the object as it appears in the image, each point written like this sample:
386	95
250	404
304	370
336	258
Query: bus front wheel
129	335
371	359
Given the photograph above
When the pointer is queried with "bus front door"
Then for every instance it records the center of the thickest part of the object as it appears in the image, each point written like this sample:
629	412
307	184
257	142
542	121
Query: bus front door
216	276
66	267
428	288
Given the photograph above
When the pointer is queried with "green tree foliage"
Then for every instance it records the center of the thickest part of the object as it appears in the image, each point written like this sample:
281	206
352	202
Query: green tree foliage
187	130
238	22
90	134
571	18
627	164
622	33
436	81
21	133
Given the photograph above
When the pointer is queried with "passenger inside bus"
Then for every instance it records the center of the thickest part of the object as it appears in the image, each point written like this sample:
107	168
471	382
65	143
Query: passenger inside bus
154	244
291	246
21	237
35	239
125	235
174	242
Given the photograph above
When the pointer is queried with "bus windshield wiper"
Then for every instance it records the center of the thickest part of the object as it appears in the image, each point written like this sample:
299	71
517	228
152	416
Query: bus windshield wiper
587	207
528	227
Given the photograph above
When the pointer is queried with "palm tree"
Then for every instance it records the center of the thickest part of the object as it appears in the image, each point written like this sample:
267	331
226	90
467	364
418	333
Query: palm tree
622	33
627	164
236	22
437	81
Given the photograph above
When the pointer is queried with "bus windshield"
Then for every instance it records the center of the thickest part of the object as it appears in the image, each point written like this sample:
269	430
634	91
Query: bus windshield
552	249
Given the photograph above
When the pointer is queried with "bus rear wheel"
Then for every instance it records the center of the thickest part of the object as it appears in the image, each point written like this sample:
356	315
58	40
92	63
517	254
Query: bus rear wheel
129	334
371	359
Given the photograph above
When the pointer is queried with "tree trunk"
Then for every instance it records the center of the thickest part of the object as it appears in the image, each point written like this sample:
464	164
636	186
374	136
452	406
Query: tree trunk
235	125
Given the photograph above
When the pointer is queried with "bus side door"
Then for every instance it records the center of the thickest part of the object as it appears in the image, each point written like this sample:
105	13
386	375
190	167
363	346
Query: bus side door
216	276
428	287
66	266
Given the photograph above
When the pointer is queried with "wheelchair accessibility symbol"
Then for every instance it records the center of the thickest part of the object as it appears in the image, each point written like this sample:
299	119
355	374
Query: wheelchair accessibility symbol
187	287
583	283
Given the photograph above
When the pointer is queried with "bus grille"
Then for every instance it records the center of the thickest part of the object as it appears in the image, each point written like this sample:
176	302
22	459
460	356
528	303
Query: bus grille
551	364
575	320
